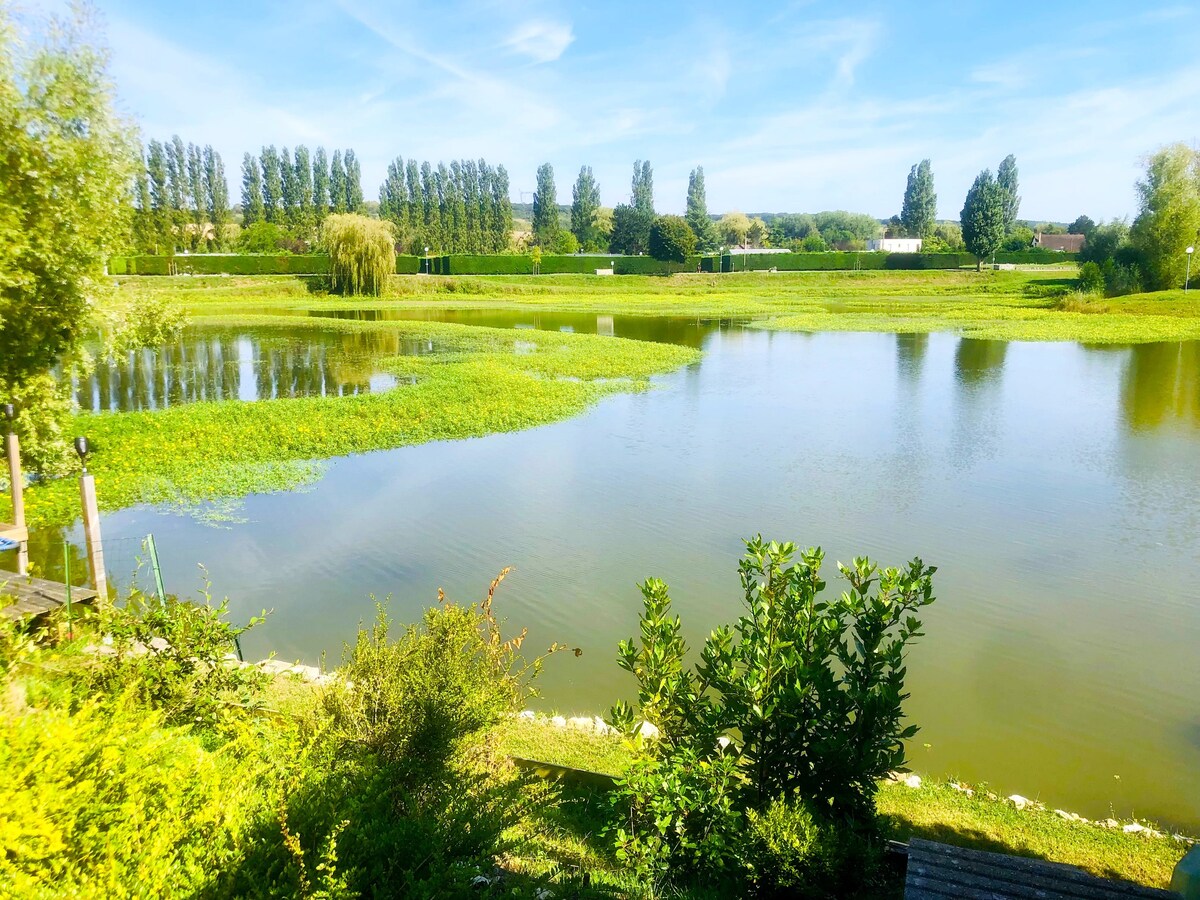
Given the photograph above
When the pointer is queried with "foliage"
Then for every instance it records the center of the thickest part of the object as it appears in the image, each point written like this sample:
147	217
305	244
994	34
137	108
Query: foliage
919	210
1018	239
1104	242
44	405
845	230
983	216
802	696
791	230
1091	278
565	243
631	230
733	228
262	237
106	801
813	243
545	208
253	211
1083	225
1008	182
794	851
186	675
462	208
67	165
585	200
697	212
641	195
672	239
361	255
1168	219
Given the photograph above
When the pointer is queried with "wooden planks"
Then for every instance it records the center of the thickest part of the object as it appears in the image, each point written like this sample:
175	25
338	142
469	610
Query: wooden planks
36	597
941	872
13	532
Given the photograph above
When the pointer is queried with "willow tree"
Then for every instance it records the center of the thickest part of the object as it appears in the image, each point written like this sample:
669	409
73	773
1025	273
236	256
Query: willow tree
66	169
361	252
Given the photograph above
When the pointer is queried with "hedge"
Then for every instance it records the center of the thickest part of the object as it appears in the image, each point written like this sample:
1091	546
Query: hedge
220	264
837	260
1035	255
408	265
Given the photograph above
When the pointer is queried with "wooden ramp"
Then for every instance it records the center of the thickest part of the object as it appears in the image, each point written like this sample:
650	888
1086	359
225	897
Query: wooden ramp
36	597
941	872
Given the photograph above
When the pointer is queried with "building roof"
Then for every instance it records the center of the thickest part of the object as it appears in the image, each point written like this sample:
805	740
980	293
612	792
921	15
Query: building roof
1068	243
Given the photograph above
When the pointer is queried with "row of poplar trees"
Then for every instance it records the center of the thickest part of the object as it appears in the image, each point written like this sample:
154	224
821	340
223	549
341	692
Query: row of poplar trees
296	191
181	199
460	208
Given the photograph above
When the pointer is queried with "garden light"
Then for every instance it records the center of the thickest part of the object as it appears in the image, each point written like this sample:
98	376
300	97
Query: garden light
81	447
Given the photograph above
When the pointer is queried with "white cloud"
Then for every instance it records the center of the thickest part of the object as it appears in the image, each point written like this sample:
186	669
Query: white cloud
542	41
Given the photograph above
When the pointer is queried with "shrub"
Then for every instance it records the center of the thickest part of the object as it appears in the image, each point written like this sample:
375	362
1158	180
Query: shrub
361	252
791	850
811	687
1091	278
262	237
672	239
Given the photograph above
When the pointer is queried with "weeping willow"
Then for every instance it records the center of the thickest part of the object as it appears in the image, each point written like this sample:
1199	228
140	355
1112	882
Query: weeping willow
361	252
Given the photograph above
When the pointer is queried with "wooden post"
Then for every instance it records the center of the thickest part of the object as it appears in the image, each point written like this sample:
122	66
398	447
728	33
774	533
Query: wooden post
17	481
91	529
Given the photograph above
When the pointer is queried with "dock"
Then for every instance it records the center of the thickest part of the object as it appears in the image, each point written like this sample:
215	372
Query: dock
35	596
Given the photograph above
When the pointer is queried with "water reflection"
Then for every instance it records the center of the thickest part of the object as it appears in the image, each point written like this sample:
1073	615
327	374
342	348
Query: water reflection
1161	386
979	362
910	355
265	363
683	330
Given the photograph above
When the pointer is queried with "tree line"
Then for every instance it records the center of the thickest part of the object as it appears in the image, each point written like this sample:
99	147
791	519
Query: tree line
181	198
296	192
460	208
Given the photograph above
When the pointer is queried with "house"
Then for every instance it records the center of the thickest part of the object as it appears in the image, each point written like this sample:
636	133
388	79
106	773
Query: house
896	245
1063	243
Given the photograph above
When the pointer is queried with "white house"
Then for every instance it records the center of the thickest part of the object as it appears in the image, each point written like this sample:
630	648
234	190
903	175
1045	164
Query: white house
896	245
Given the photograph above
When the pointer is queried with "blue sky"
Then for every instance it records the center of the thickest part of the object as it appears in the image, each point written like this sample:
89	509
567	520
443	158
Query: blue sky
789	107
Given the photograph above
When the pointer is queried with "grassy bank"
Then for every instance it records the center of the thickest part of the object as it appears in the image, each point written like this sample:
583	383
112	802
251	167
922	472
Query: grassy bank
1024	305
477	381
938	811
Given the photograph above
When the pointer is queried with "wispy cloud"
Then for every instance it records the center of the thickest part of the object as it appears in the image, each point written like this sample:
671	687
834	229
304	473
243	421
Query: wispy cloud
542	41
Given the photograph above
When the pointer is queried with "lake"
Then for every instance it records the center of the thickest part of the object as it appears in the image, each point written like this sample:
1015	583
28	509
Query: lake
1056	487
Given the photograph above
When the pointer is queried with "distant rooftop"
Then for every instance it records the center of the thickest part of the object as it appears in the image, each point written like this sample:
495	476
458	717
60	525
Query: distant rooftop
1067	243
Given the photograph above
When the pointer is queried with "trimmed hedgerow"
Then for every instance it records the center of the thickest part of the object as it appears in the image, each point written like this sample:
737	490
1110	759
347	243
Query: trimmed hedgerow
221	264
1036	255
408	265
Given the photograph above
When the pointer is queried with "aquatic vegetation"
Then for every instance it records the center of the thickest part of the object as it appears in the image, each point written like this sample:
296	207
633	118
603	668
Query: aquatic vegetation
478	384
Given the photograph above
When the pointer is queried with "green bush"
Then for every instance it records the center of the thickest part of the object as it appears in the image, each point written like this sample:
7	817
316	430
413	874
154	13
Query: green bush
1091	278
804	692
789	850
221	264
408	265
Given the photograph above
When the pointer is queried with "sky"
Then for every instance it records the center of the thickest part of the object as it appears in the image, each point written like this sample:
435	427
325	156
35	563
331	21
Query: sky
789	107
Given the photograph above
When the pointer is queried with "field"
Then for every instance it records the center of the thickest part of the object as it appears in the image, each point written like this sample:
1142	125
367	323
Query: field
1036	305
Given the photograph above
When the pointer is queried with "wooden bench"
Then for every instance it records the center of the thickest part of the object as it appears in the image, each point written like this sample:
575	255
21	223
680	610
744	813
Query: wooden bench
941	872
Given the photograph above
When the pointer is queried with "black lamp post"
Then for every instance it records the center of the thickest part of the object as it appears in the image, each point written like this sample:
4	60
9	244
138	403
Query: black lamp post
82	448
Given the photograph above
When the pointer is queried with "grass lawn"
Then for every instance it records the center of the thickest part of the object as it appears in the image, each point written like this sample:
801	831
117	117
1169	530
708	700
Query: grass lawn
935	811
1035	305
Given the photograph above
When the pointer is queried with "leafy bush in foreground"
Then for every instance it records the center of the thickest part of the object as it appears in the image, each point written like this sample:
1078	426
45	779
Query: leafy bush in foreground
801	699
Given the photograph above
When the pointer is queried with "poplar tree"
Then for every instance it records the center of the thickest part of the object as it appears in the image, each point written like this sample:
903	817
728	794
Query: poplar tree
252	191
473	224
290	200
177	187
919	210
416	215
320	182
1006	178
337	184
456	208
216	192
983	217
196	194
160	199
585	200
502	210
145	240
272	186
489	210
305	217
545	208
697	211
642	195
429	209
354	191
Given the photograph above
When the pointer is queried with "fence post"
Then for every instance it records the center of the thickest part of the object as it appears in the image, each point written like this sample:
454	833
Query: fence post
17	481
91	530
158	582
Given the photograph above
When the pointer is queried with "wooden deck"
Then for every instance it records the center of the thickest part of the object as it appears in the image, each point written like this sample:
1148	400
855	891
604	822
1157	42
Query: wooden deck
941	872
36	597
13	532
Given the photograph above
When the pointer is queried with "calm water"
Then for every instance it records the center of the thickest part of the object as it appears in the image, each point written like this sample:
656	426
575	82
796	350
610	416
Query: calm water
1056	487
